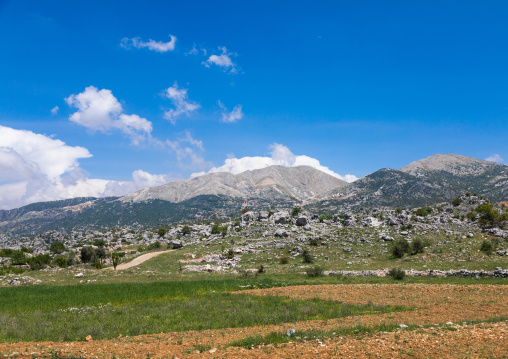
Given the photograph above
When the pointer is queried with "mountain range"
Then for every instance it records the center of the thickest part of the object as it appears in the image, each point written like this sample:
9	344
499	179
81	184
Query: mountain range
434	179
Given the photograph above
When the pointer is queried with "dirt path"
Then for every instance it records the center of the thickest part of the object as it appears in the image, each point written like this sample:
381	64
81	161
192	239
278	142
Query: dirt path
139	260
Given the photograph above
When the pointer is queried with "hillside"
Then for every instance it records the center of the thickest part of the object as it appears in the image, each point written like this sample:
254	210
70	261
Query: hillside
273	183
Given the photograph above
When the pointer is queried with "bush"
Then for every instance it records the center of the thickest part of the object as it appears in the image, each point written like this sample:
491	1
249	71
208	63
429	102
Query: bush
99	243
87	254
60	261
39	262
162	232
186	230
487	247
230	254
397	273
307	257
57	247
315	271
215	229
313	242
400	248
154	245
417	246
296	211
283	260
456	201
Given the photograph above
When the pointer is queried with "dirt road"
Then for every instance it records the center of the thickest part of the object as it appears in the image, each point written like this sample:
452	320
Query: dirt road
139	260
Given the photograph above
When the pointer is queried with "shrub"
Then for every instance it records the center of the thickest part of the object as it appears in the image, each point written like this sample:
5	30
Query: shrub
99	243
456	201
397	273
230	253
57	247
307	257
313	242
400	247
215	229
417	246
398	210
87	253
162	232
315	271
100	253
283	260
39	262
154	245
60	261
487	247
296	211
186	230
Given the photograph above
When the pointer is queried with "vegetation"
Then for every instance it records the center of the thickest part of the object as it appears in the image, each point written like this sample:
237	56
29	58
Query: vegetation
169	306
397	273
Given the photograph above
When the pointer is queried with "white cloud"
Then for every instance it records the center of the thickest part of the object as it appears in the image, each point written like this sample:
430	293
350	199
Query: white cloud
223	60
188	152
36	168
495	158
54	110
153	45
233	116
180	100
101	111
280	155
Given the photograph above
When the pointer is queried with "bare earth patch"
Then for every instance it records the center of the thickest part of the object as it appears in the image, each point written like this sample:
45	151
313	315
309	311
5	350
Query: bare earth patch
437	304
138	260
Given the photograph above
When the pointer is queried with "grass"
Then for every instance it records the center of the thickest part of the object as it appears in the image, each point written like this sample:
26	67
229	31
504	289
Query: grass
104	311
275	338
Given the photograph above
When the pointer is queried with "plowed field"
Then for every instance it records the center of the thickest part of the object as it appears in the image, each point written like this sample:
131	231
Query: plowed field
435	304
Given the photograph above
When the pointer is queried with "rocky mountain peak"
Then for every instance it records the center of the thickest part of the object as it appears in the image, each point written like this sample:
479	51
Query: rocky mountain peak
454	164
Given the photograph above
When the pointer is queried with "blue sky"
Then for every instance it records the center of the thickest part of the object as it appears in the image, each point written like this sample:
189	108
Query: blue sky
356	86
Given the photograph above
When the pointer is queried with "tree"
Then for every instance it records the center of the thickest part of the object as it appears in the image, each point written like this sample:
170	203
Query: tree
57	247
87	254
186	230
116	258
296	211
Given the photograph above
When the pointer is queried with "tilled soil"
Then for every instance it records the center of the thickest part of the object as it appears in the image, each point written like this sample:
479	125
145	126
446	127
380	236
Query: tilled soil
436	304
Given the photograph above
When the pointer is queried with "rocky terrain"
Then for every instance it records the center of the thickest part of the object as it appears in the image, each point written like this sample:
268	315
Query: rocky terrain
349	242
218	196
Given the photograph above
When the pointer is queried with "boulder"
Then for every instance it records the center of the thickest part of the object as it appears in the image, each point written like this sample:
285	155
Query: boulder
281	217
302	221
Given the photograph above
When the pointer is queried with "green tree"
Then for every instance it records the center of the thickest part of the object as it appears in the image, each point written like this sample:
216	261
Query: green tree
87	254
116	258
296	211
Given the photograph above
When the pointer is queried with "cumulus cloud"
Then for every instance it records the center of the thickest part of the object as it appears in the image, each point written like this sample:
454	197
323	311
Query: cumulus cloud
99	110
153	45
35	168
180	101
54	110
223	60
495	158
280	155
233	116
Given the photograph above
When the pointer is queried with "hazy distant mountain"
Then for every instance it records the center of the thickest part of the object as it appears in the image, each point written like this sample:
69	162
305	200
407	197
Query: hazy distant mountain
431	180
273	183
